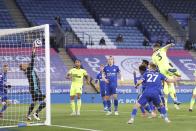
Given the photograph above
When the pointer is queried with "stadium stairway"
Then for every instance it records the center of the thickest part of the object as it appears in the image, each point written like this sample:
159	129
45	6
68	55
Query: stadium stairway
162	20
91	32
16	14
70	64
66	58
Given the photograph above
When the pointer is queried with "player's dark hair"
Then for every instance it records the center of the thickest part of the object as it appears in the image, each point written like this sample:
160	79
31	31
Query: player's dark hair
145	62
20	66
157	45
142	69
5	65
77	60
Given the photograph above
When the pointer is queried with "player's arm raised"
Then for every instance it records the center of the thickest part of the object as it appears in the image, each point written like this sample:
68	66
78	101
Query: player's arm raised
32	57
168	46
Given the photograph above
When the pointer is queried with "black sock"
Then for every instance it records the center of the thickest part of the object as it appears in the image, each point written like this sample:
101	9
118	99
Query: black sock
41	106
31	107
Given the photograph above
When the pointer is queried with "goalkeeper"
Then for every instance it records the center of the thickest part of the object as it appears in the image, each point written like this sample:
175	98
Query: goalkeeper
34	87
3	90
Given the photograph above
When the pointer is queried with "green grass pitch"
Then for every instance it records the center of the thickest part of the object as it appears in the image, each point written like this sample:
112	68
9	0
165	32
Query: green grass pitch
92	117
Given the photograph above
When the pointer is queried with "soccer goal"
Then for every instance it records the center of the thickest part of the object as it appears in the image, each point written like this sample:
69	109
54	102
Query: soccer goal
25	77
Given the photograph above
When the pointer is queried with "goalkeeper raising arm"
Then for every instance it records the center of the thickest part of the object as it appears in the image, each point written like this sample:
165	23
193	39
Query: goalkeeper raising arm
34	87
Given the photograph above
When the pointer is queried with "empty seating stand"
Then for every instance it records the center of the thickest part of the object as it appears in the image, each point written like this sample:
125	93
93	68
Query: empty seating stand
5	18
72	13
88	30
44	11
179	9
132	38
128	9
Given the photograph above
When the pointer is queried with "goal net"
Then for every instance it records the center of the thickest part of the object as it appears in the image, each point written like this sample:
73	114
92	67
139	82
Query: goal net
24	76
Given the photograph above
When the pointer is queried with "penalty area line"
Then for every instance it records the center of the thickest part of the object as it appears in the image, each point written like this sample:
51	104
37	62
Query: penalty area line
77	128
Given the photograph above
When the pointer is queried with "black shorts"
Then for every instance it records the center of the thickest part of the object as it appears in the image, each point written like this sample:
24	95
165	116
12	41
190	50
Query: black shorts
37	97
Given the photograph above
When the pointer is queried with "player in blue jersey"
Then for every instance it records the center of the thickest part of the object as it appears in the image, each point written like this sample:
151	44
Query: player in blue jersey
112	71
3	90
153	81
142	70
101	83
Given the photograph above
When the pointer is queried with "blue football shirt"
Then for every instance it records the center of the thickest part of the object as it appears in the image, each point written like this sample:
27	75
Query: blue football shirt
111	73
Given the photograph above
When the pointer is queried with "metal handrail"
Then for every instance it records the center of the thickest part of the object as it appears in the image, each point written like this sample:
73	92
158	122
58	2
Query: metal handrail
81	38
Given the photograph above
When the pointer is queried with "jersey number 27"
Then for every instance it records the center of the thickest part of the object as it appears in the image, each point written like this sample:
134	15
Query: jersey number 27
151	77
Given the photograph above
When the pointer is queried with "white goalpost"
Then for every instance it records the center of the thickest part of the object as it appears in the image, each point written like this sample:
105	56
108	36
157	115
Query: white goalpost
21	102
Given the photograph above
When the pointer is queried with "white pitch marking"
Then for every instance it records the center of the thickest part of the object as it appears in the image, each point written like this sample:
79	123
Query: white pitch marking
78	128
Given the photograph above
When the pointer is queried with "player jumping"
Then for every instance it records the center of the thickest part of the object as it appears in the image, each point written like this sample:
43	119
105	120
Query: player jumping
34	87
153	81
76	75
3	90
160	58
101	82
192	102
111	72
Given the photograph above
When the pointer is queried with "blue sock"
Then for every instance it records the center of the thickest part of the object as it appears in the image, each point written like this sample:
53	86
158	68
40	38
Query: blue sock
134	112
163	100
148	108
163	111
109	105
152	107
159	110
104	103
142	109
3	108
115	105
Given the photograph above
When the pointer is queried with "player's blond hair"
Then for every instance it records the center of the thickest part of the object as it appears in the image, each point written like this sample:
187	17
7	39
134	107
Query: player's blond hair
153	66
